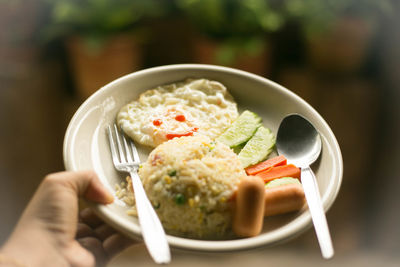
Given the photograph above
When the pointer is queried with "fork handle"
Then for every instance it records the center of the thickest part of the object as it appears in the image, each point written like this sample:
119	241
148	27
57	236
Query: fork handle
152	230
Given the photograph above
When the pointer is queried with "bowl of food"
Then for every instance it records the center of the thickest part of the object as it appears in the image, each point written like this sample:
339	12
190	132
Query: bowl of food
200	131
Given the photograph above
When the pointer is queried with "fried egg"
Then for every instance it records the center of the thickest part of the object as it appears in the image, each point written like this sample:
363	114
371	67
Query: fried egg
194	106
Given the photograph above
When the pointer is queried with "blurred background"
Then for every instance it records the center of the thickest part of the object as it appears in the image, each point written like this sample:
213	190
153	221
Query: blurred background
341	56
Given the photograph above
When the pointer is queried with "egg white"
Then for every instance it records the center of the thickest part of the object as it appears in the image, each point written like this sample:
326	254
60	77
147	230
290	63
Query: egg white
198	106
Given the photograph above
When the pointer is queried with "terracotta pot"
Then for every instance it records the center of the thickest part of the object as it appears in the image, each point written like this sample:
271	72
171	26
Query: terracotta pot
19	53
94	68
205	51
343	48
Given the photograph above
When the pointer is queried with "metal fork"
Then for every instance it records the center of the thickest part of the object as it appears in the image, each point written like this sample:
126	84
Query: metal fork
126	159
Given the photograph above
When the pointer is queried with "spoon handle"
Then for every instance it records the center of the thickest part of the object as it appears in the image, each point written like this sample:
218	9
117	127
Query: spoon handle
317	212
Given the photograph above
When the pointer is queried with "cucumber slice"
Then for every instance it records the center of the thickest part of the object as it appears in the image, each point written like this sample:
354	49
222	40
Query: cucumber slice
282	181
258	147
241	130
238	148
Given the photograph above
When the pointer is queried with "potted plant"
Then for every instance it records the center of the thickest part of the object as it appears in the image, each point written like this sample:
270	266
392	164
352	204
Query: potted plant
337	34
232	32
100	37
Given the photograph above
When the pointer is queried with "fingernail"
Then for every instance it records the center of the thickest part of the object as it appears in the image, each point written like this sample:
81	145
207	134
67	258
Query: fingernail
110	198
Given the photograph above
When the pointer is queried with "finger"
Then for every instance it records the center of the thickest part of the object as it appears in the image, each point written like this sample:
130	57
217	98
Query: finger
94	246
79	256
104	231
83	230
85	184
87	216
116	243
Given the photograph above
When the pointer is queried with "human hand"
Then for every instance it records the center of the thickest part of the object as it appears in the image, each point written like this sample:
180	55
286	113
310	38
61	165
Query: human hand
48	232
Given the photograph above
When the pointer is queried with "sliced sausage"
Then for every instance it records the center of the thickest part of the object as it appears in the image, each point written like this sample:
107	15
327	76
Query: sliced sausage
284	198
249	208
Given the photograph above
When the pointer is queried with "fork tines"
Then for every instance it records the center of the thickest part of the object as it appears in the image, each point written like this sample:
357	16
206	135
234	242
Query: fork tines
123	150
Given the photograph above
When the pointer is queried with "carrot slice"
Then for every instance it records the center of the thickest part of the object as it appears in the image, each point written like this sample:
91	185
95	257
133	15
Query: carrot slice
262	166
272	173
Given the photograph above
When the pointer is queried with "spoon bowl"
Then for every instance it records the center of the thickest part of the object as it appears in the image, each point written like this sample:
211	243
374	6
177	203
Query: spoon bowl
300	142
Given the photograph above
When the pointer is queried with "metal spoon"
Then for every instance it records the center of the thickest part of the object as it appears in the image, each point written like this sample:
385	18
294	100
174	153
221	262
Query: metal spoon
300	143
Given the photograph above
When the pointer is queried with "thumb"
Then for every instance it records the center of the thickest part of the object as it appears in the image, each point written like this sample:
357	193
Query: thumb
86	184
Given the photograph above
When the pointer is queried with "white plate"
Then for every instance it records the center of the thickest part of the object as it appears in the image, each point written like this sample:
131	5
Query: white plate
86	145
